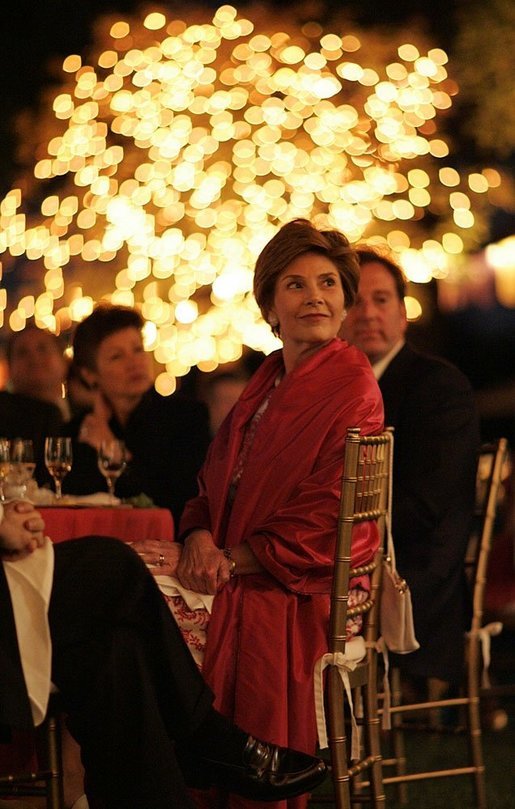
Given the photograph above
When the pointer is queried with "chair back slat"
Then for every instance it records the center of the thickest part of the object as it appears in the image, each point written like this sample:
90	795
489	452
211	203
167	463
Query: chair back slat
364	498
489	476
491	460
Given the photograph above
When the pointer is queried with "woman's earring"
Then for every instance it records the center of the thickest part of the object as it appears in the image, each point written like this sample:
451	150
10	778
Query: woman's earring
344	315
272	321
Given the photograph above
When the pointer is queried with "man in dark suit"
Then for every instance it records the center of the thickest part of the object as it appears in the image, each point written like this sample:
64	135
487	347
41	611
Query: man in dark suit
38	365
134	698
26	417
431	406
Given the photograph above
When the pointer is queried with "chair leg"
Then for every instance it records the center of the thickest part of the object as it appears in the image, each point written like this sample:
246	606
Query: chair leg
55	795
347	782
474	723
476	751
336	722
399	750
373	735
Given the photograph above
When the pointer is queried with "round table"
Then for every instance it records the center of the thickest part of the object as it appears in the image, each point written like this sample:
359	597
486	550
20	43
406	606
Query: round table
122	522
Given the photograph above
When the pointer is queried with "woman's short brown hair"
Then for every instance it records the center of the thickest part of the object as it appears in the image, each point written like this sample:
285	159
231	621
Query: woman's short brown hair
105	319
293	240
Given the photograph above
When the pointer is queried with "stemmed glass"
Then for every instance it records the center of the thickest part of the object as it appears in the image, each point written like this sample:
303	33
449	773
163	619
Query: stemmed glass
112	460
5	464
58	460
22	464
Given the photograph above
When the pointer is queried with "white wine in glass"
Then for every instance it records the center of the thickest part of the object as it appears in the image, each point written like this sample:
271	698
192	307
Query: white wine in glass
22	465
112	460
58	460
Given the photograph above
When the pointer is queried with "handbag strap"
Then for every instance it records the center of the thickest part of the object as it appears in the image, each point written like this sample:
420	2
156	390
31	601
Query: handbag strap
390	549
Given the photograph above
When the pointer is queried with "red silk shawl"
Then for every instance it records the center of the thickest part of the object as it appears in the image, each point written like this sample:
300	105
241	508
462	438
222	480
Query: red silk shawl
268	629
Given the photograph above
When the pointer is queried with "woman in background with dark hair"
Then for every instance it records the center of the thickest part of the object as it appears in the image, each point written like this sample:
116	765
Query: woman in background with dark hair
261	534
167	437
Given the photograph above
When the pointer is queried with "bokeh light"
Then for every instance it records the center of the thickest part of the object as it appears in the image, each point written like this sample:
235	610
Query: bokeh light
166	164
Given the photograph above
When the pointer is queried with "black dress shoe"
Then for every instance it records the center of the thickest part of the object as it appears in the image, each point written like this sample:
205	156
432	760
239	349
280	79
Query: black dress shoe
266	772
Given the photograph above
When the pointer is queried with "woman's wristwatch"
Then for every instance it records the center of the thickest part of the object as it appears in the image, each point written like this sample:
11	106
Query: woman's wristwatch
227	552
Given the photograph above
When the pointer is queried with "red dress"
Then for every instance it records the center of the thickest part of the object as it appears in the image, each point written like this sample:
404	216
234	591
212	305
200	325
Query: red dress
268	629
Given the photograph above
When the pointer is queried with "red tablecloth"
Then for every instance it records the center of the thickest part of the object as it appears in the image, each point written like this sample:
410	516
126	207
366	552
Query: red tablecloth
128	524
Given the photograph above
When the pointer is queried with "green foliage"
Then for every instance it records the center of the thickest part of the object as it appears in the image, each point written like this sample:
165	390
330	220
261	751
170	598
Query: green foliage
484	63
141	500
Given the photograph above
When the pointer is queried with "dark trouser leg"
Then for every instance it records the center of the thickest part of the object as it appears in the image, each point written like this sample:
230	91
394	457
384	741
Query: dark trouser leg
127	679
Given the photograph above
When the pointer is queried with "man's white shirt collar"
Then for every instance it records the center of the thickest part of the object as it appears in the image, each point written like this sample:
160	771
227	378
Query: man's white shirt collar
378	368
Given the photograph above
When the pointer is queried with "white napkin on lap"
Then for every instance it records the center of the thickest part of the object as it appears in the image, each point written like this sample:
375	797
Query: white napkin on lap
30	586
171	586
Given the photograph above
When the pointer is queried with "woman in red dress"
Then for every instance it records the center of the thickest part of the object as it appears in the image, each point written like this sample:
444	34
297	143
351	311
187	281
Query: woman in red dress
261	533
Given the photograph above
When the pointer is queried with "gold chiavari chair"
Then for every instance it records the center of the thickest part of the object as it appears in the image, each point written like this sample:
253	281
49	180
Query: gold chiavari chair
488	480
47	779
364	497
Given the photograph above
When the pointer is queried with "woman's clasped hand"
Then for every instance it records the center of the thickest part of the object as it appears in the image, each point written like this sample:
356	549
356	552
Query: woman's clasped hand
203	566
199	565
160	557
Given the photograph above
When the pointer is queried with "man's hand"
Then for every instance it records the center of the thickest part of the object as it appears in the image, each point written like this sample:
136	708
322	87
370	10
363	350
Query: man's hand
21	530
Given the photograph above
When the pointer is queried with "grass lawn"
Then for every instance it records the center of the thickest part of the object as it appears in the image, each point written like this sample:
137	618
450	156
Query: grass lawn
439	751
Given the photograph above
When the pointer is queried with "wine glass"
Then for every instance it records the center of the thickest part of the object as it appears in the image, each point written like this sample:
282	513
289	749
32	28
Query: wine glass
5	464
58	460
112	460
22	465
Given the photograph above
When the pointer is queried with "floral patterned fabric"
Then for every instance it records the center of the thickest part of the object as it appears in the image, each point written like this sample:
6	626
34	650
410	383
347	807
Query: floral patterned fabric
194	623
